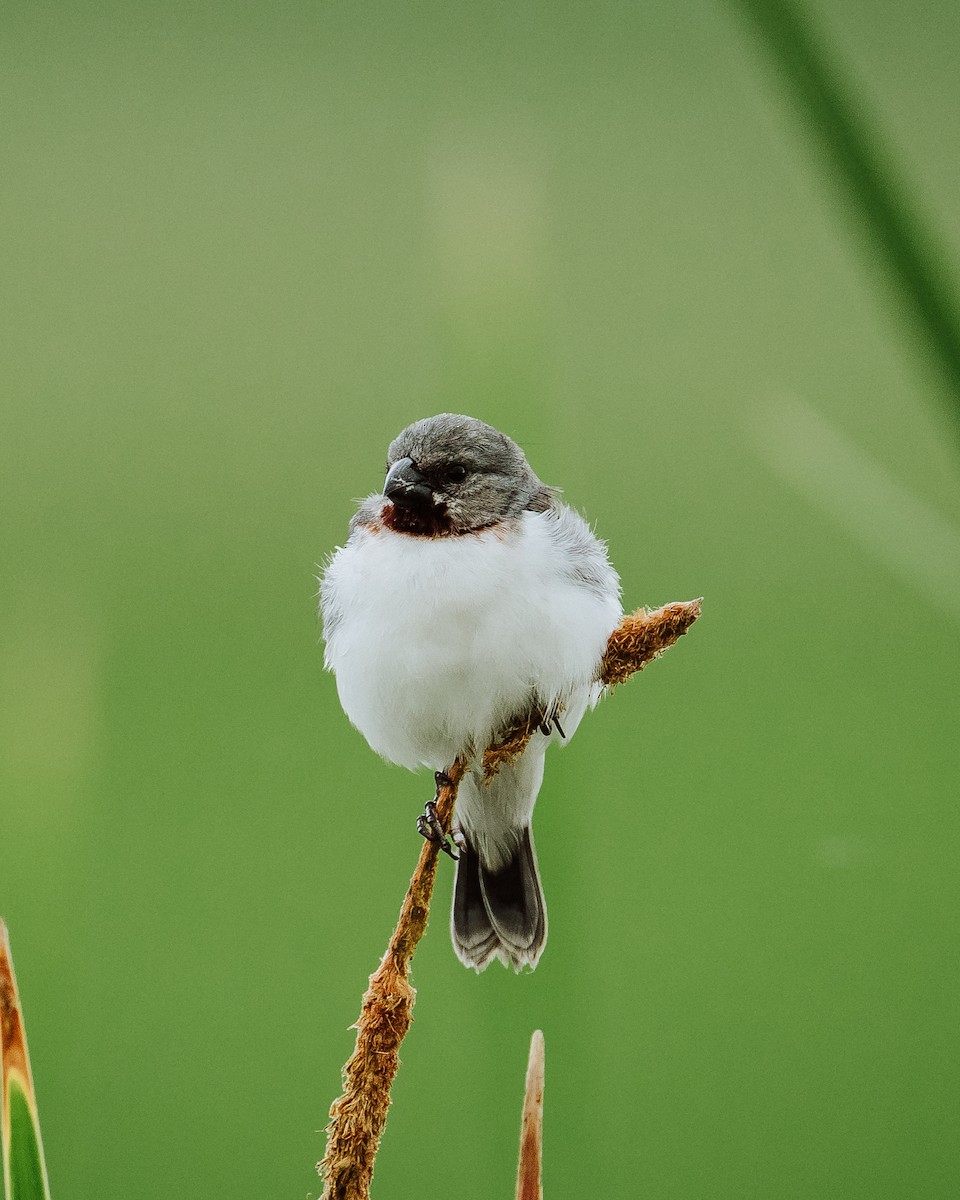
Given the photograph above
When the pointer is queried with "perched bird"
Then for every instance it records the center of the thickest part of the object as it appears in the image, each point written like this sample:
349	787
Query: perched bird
466	596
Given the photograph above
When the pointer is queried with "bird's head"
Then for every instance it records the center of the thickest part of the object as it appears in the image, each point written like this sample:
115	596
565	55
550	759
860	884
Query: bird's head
451	474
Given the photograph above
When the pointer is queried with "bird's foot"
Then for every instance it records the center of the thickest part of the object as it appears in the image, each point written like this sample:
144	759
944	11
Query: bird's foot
550	722
429	827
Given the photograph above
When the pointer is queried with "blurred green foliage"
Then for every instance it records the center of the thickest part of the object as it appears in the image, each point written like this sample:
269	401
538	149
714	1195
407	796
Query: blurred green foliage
244	246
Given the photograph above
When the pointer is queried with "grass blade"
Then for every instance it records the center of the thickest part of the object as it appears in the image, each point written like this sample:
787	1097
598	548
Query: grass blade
879	200
24	1170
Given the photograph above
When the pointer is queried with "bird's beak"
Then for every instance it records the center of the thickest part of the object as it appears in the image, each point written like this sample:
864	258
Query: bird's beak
406	485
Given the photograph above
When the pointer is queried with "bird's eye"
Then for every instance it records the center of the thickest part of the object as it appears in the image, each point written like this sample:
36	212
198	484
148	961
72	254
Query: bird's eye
456	472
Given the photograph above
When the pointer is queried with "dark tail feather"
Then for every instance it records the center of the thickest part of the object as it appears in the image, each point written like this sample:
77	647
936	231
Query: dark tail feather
474	938
499	914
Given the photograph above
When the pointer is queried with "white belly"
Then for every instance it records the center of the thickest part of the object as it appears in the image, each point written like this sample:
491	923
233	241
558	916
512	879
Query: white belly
436	643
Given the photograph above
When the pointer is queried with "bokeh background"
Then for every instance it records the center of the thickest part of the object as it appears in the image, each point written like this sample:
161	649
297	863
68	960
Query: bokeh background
245	245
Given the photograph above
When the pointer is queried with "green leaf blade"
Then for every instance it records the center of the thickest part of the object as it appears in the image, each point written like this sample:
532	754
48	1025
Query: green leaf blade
27	1175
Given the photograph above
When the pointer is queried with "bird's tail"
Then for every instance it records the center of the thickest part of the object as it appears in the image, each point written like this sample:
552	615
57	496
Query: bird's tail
499	914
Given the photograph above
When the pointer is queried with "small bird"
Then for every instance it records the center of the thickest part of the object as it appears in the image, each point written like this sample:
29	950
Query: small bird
466	596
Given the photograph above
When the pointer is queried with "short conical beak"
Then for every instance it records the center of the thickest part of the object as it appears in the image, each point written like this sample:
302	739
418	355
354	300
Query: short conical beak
406	485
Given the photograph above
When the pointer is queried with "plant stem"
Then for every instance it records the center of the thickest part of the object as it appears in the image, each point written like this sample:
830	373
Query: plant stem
357	1118
879	201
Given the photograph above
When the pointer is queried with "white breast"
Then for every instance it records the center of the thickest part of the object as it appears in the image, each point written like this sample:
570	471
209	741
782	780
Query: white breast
437	642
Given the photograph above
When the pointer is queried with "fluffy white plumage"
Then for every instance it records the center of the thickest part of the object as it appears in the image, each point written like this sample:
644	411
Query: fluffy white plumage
461	601
437	642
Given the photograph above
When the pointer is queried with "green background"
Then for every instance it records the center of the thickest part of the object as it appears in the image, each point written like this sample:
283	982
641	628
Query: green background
245	245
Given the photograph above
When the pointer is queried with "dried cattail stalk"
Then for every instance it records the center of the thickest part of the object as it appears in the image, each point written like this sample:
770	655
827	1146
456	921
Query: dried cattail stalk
357	1118
511	743
638	639
643	636
529	1186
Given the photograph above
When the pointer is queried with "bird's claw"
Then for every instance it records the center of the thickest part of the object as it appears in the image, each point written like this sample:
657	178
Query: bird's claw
429	827
550	722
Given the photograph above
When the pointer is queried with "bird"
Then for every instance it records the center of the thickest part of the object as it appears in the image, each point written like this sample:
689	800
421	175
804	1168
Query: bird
467	595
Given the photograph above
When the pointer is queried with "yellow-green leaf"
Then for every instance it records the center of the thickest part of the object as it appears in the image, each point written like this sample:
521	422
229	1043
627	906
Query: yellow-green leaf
24	1171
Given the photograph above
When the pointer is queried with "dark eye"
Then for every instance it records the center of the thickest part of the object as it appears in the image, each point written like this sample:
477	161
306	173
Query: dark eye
456	472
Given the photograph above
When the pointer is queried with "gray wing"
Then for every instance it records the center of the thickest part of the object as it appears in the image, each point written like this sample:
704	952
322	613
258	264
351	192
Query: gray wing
583	551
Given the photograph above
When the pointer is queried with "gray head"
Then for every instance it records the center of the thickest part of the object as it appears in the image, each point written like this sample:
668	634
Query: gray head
453	474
